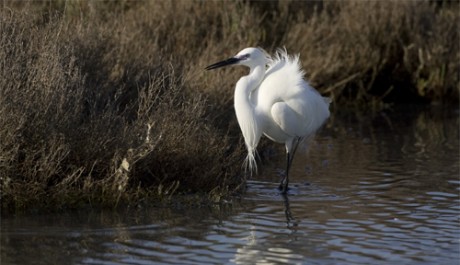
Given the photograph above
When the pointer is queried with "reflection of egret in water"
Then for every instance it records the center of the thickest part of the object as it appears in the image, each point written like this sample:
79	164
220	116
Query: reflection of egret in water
262	248
291	223
249	252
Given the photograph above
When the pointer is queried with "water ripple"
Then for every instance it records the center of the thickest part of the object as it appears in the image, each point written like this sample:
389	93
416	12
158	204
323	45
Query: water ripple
364	195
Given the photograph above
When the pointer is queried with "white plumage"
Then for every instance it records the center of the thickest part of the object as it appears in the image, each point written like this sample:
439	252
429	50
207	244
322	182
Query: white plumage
275	101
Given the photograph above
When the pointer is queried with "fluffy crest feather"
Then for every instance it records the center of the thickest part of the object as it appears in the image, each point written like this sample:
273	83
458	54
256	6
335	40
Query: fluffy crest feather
281	56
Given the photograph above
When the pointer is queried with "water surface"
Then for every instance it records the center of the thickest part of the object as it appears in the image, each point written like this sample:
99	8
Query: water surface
379	188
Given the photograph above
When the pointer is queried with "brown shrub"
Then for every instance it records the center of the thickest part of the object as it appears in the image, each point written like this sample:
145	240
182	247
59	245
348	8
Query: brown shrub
83	120
396	51
106	101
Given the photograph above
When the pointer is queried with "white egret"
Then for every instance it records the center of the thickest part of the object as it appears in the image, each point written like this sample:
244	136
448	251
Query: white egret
275	100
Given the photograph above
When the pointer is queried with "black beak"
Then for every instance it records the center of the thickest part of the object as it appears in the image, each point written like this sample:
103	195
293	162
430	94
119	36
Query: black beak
230	61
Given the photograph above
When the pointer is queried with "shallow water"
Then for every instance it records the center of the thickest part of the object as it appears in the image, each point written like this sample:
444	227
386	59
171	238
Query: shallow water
378	188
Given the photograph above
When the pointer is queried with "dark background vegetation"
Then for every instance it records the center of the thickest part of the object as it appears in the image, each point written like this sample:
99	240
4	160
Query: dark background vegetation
107	102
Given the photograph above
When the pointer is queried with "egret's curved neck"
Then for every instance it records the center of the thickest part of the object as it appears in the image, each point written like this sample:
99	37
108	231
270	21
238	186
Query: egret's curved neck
247	84
245	109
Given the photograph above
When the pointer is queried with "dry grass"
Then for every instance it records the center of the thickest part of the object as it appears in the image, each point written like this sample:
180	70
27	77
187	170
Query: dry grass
391	51
107	102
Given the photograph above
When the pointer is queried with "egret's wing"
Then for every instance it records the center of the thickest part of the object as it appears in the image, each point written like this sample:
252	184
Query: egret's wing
287	119
303	110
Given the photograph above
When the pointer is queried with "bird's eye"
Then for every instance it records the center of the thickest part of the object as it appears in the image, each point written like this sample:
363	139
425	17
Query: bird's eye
244	56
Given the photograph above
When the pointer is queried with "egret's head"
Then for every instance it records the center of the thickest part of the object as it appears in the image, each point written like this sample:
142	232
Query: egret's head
250	57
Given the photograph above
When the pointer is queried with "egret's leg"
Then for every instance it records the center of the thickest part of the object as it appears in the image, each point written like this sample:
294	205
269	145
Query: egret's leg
285	181
289	158
297	141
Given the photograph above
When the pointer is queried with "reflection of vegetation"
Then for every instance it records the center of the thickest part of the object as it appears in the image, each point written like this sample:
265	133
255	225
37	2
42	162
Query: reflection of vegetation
105	101
411	140
102	234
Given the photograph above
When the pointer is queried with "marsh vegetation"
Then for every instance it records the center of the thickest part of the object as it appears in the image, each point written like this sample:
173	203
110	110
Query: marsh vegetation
106	102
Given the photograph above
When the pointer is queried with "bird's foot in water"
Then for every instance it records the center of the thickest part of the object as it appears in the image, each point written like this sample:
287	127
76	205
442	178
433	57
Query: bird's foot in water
284	189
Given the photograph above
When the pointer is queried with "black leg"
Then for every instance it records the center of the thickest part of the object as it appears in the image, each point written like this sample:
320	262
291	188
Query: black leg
296	144
289	158
287	212
285	181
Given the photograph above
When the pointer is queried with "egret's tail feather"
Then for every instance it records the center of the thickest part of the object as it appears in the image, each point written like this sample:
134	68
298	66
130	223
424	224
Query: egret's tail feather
327	100
250	163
